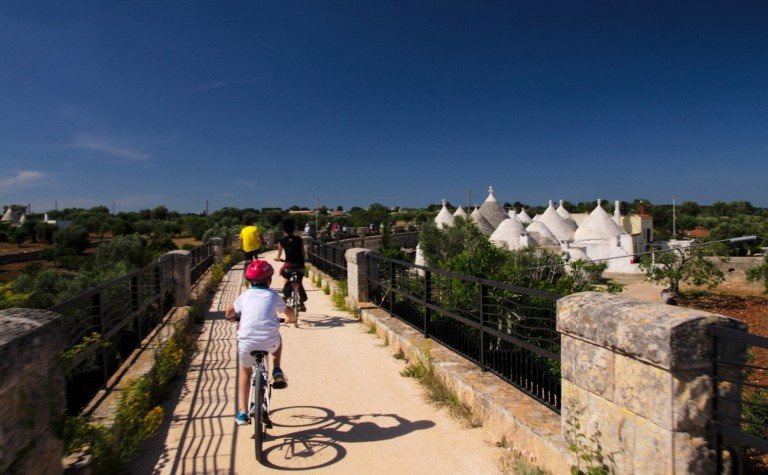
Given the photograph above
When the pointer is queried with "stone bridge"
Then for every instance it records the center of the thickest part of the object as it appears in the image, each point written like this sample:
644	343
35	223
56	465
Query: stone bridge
636	391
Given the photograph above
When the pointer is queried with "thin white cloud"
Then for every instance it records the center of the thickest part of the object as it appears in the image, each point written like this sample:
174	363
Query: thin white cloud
745	152
218	84
109	147
20	179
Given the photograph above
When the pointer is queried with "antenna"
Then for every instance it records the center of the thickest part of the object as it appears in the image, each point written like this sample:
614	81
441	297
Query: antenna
674	217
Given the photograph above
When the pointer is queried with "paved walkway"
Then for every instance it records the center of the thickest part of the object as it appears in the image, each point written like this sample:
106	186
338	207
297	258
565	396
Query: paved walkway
346	409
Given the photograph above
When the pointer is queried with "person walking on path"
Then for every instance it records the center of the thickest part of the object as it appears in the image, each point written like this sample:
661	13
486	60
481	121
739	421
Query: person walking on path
250	240
259	330
295	256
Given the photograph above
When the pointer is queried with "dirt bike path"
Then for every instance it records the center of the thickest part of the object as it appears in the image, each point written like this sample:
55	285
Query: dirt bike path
346	408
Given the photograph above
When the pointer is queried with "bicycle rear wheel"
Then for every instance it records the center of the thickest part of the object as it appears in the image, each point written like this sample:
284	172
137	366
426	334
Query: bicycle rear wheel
296	304
257	416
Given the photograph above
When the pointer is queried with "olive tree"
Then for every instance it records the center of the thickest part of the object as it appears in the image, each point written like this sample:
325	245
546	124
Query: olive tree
672	267
759	274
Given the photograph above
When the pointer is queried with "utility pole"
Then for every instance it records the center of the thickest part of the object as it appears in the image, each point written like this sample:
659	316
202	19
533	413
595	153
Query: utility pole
206	207
317	212
56	205
469	199
113	207
674	218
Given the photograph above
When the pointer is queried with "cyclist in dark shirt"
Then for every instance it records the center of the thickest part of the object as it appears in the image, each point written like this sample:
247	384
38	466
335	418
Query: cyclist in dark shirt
293	246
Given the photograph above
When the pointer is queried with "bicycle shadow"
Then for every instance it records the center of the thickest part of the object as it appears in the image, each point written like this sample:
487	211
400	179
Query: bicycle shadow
319	440
316	321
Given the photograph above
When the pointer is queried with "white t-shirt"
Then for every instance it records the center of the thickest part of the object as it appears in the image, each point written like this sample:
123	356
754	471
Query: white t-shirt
259	324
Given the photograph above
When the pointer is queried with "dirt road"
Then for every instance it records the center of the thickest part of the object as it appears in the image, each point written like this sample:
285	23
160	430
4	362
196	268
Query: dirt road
346	409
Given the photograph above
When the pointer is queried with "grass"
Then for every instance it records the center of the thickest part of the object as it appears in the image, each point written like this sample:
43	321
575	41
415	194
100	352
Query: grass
437	392
370	327
399	354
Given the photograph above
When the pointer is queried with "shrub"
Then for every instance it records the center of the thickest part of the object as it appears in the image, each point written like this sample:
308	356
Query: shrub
72	239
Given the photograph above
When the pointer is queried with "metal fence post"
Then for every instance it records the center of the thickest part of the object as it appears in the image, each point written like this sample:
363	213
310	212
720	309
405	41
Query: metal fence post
483	300
427	301
391	286
99	314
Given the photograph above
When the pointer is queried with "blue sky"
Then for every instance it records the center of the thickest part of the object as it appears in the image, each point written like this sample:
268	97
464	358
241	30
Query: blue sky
276	103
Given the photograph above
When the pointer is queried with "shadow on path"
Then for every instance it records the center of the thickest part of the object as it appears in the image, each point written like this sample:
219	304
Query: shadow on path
322	435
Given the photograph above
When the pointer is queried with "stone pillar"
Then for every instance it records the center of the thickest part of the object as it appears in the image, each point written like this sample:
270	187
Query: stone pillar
357	273
178	275
32	391
218	249
637	382
270	239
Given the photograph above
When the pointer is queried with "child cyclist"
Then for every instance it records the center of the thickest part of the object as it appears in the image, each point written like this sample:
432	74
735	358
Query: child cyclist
259	330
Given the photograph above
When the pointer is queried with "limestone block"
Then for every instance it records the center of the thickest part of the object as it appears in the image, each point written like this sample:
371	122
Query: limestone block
588	366
644	389
670	337
692	454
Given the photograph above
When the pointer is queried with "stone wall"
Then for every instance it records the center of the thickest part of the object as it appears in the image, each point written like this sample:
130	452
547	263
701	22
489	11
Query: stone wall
31	391
637	382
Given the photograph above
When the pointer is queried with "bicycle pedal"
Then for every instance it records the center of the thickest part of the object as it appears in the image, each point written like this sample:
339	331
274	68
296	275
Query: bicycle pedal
268	423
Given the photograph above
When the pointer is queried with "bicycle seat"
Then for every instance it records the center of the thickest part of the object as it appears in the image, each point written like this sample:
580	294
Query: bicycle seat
258	354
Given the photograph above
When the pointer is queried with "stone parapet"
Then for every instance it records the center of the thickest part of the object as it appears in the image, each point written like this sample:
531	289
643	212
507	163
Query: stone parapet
31	390
177	275
637	382
218	249
357	273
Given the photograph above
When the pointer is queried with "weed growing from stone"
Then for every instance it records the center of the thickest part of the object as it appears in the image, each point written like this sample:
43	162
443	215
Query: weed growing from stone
399	354
587	449
437	392
327	289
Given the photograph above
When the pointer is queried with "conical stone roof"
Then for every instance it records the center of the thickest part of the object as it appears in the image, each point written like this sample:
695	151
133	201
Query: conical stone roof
566	216
444	218
8	216
508	233
482	223
460	213
598	225
541	234
557	224
523	217
492	210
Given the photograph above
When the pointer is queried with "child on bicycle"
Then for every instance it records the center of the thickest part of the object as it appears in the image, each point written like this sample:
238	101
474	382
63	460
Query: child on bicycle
257	310
295	255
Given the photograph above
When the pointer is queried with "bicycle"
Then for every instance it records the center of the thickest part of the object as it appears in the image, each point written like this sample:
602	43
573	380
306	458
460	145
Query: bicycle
295	300
258	402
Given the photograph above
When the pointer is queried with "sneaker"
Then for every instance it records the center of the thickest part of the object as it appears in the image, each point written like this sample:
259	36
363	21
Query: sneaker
279	381
241	418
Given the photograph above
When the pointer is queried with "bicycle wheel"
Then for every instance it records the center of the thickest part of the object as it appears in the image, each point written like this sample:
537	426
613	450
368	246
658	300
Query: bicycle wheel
257	416
296	303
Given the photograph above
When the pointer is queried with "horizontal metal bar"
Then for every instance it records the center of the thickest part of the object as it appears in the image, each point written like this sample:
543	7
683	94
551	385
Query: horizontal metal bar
737	335
741	436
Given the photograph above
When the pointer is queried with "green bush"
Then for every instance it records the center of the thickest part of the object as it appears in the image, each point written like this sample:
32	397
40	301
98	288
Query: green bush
72	239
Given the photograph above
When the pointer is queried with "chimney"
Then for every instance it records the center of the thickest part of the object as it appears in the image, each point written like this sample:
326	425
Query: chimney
617	212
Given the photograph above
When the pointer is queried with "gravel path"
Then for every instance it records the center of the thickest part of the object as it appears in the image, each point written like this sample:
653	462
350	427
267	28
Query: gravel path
346	409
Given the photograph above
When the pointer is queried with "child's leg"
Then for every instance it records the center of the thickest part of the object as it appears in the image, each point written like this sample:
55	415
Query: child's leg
244	383
276	356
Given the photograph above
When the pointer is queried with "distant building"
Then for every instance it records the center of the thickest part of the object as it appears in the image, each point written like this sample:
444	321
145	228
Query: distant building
595	236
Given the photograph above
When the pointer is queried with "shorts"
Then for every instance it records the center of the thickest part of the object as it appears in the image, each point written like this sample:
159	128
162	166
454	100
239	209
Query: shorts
250	255
244	351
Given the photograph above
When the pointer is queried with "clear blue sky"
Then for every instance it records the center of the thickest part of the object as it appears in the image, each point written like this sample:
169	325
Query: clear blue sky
276	103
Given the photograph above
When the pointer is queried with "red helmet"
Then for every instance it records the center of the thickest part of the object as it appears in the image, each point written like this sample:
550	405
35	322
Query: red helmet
259	270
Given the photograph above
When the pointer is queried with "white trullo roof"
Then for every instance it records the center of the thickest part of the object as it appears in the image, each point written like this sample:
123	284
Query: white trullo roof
444	218
420	261
492	210
557	224
8	216
598	225
566	216
541	234
508	233
460	213
523	217
23	219
482	223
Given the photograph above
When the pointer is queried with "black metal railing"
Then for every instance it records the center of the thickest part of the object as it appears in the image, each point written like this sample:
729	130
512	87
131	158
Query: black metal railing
740	400
105	324
202	259
328	258
505	329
